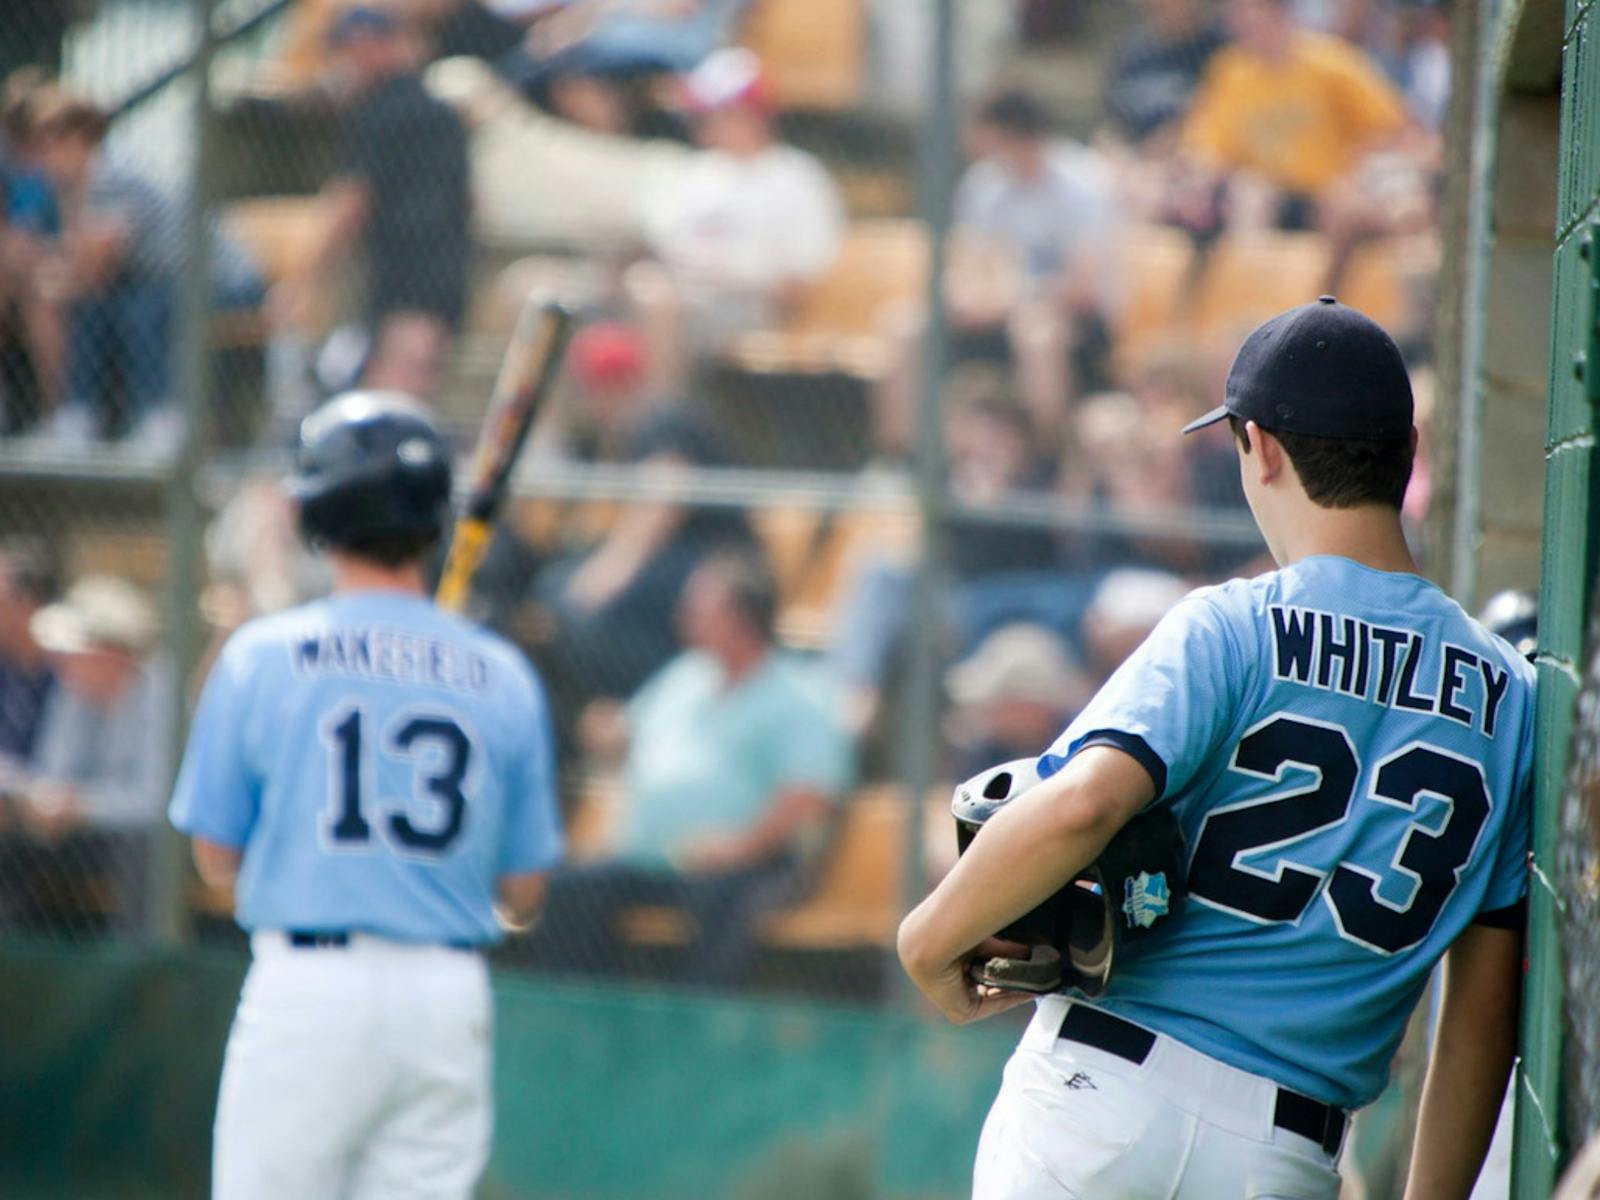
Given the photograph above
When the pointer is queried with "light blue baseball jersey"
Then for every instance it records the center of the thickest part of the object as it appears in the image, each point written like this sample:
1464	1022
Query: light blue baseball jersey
380	762
1349	757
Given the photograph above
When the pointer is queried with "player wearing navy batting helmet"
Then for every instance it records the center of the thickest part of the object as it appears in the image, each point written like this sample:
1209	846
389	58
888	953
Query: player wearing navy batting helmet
371	775
1347	757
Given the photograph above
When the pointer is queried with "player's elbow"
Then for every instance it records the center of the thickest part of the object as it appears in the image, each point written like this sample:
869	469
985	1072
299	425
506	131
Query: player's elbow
216	864
918	954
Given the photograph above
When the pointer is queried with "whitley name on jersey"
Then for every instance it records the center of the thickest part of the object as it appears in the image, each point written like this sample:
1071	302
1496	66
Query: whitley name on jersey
1385	666
390	656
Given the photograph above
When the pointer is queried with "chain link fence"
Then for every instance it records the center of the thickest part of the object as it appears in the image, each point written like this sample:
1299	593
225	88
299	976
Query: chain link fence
750	205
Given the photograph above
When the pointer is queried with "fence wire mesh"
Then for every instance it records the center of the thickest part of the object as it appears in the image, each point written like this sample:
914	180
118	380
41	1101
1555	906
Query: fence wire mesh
1577	883
731	198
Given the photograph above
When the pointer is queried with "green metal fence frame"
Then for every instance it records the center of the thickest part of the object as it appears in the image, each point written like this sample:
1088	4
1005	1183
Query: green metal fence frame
1571	554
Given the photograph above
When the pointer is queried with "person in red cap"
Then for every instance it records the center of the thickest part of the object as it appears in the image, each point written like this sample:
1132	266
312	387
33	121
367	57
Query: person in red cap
748	227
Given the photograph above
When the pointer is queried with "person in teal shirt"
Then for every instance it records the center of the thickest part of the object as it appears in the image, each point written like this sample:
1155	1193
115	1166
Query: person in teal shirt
733	755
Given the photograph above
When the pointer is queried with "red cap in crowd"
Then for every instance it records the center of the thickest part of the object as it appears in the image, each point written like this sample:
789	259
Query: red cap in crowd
725	79
607	355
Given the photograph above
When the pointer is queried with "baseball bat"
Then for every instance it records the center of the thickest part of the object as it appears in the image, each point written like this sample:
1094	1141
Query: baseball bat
528	373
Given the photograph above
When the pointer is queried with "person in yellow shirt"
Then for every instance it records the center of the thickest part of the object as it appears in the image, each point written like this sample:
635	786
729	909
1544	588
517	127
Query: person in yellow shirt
1300	130
1301	109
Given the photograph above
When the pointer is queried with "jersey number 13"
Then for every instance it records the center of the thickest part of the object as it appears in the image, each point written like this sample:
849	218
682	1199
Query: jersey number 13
1431	858
440	754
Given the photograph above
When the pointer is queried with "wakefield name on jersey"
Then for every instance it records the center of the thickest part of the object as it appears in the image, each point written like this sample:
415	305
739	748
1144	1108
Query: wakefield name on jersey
1347	753
381	763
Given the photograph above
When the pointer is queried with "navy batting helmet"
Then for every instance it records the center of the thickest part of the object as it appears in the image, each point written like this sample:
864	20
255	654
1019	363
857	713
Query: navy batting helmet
371	465
1514	615
1137	883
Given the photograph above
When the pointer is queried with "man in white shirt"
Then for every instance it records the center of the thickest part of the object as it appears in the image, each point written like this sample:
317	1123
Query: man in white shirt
746	228
1033	256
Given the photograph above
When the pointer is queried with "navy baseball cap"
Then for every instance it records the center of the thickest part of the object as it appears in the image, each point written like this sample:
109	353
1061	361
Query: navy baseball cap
1322	369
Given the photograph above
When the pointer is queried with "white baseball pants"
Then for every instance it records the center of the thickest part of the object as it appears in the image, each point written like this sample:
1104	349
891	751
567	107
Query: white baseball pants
355	1072
1074	1122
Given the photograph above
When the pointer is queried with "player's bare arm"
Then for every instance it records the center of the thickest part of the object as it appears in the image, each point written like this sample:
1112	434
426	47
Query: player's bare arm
218	865
1472	1054
1026	852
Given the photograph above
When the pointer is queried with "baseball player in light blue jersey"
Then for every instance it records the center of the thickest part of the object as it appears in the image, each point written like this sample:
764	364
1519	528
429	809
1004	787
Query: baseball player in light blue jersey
1347	755
375	775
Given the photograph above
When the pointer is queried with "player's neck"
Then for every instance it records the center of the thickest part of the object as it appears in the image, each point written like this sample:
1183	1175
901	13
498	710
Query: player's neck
1370	535
352	574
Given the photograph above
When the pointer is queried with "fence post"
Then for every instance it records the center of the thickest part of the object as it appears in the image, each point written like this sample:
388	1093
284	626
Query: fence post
184	522
919	711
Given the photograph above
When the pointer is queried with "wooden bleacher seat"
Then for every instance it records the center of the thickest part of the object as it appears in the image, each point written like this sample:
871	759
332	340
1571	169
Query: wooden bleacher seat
815	555
814	51
592	825
281	232
1157	261
838	324
857	900
1248	277
139	554
1380	276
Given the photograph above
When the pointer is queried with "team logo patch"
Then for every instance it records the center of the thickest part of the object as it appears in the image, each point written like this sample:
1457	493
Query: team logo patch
1146	898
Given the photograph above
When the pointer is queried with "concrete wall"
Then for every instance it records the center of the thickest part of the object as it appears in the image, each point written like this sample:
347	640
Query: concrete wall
1516	345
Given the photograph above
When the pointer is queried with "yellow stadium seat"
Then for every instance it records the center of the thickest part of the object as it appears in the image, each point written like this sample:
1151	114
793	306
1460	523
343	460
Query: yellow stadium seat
1156	262
1249	276
857	900
838	322
1380	276
813	50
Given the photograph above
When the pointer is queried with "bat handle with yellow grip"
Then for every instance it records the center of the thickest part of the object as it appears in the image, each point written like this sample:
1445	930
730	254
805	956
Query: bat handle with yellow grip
468	547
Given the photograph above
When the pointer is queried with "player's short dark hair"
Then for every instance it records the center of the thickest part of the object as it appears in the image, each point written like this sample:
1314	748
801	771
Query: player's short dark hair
33	567
1344	472
1015	112
389	550
751	587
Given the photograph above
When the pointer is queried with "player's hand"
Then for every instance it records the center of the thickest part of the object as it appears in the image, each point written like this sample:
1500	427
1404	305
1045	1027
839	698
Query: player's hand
959	997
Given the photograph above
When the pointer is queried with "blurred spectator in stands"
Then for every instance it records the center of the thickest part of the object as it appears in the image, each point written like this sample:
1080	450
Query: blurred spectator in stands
1294	118
995	458
1127	606
472	28
401	190
594	188
734	757
97	779
579	55
1426	66
1128	461
1011	695
1158	65
115	278
613	603
32	350
28	582
751	223
1031	264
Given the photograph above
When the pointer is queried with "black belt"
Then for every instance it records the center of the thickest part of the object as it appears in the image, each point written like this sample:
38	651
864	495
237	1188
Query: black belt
338	939
1322	1123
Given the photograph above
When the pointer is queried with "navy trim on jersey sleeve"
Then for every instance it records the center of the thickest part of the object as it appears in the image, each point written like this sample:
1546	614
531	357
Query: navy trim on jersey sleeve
1512	916
1136	748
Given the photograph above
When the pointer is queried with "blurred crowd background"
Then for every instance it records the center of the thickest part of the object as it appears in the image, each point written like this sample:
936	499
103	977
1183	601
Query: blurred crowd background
864	470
